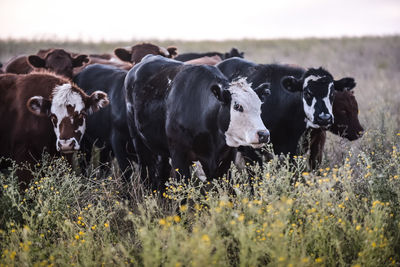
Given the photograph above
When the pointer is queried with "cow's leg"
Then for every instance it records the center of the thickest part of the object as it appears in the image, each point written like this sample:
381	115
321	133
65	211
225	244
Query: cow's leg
146	160
317	144
119	144
180	164
163	173
84	162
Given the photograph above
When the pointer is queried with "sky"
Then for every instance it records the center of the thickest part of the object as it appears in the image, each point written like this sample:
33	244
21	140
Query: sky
124	20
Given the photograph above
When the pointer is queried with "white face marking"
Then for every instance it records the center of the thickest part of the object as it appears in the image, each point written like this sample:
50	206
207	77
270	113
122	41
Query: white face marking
309	111
244	126
312	78
63	95
327	101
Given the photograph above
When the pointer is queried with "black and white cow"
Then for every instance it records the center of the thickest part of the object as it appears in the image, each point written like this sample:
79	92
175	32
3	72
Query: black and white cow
189	113
299	98
107	128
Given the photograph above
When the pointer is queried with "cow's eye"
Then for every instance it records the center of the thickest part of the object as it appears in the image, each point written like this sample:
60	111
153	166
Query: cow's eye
307	95
238	107
81	116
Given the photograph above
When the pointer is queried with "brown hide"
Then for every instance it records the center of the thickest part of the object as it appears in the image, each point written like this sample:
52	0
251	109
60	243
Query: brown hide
137	52
54	60
212	61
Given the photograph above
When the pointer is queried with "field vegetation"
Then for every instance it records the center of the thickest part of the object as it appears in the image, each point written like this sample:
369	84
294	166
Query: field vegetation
345	213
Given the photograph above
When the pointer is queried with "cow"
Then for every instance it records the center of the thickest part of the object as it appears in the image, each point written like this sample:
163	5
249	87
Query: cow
299	99
41	111
189	113
346	125
58	61
135	54
190	56
212	61
107	128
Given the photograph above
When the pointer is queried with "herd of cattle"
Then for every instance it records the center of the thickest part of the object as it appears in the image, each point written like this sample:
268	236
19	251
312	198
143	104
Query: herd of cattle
165	111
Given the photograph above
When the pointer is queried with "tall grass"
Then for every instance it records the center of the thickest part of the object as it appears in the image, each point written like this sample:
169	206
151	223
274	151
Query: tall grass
347	213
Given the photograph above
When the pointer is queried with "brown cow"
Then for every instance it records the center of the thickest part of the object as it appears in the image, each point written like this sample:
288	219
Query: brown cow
55	60
346	124
212	61
137	52
42	111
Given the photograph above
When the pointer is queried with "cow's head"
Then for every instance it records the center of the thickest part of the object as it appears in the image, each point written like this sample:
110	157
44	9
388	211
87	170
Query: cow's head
58	61
345	110
318	90
245	126
233	53
67	109
135	54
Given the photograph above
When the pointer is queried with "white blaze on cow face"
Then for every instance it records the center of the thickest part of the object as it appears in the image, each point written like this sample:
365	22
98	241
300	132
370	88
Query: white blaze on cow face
68	117
245	124
310	101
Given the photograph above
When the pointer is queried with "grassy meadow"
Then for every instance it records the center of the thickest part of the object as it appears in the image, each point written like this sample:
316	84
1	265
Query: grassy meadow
346	213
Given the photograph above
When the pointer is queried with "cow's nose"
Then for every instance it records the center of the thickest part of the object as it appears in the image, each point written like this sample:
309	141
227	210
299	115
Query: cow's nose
324	119
263	136
66	145
325	116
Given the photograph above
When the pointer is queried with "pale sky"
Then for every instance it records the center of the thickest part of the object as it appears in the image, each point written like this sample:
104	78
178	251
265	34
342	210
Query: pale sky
124	20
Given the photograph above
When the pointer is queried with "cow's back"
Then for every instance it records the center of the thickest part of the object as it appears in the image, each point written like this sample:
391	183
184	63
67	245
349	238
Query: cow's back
147	85
18	65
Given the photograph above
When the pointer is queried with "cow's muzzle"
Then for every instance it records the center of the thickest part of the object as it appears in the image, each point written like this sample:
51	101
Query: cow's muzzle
263	136
66	146
324	120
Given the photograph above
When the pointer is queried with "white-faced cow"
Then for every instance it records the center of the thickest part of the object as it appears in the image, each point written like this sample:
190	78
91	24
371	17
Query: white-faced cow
42	112
189	113
299	98
57	61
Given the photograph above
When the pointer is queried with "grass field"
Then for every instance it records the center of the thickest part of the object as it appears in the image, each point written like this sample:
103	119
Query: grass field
347	213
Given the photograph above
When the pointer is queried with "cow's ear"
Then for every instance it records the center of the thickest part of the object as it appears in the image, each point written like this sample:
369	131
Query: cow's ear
79	60
97	100
36	61
173	51
291	84
123	54
262	91
222	95
347	84
39	106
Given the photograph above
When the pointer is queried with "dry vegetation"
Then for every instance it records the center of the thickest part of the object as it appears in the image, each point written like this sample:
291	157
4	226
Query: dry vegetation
347	213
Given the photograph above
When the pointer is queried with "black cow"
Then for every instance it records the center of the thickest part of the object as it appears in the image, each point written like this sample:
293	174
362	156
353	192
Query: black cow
189	113
107	128
299	98
190	56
